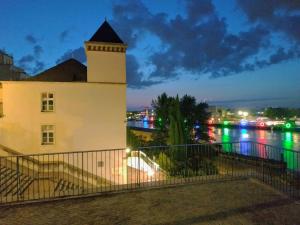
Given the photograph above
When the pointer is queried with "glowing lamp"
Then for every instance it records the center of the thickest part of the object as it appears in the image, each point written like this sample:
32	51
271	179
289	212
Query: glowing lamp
127	150
261	124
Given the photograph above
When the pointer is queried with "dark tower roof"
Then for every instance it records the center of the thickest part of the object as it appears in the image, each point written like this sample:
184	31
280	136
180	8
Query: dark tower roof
106	33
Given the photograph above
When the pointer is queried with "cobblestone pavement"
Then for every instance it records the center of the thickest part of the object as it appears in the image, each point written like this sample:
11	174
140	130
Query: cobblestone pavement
240	202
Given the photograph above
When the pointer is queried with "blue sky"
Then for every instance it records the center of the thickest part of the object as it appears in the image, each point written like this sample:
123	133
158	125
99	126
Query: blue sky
236	53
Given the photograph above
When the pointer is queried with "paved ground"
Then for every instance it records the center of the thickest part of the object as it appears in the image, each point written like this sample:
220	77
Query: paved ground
240	202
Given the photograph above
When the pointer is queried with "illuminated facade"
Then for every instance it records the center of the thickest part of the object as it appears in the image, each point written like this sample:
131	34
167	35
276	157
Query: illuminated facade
70	107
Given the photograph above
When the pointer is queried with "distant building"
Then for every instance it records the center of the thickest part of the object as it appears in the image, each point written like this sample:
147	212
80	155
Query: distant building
71	107
7	69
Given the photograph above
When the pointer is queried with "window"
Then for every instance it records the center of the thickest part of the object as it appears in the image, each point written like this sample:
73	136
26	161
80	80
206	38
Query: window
47	102
47	134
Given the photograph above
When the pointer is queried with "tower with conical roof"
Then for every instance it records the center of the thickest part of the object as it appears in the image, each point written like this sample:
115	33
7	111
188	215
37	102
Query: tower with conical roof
106	56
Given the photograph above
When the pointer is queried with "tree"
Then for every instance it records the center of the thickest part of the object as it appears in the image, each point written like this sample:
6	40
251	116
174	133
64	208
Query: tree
161	107
176	130
188	109
281	113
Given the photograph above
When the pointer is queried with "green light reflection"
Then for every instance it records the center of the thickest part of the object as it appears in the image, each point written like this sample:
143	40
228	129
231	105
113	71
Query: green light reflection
290	157
226	139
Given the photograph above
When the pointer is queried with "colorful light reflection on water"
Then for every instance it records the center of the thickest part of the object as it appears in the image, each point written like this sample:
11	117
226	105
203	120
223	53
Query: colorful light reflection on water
285	141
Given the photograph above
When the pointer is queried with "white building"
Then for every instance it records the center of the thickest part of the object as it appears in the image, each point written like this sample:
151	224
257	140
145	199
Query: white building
70	107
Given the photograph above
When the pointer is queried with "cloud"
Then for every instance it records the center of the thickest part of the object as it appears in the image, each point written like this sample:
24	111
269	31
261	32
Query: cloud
279	15
38	50
78	54
31	39
25	61
134	77
39	66
198	43
63	35
30	64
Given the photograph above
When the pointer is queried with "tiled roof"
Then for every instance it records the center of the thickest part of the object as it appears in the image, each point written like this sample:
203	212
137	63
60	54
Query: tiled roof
68	71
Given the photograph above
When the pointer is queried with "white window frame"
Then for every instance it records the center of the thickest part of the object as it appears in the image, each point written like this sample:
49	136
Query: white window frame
47	134
46	98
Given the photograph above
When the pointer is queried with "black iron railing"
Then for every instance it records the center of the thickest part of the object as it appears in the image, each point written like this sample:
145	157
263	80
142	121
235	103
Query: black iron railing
50	176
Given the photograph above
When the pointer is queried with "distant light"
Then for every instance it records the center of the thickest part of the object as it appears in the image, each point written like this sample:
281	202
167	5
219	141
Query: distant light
145	119
270	123
244	122
261	124
197	126
245	114
226	122
240	112
288	125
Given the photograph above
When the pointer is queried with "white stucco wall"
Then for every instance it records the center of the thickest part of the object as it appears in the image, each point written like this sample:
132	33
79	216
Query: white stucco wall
87	116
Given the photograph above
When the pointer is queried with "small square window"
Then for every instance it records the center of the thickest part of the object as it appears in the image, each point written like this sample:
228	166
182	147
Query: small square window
47	103
47	134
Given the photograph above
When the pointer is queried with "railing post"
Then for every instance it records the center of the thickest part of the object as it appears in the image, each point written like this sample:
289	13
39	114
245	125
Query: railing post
18	178
82	180
232	159
139	170
186	169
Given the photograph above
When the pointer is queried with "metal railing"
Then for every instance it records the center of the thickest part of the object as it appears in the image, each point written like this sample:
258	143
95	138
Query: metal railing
40	177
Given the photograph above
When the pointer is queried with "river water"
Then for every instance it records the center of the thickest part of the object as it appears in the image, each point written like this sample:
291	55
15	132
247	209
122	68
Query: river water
281	139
